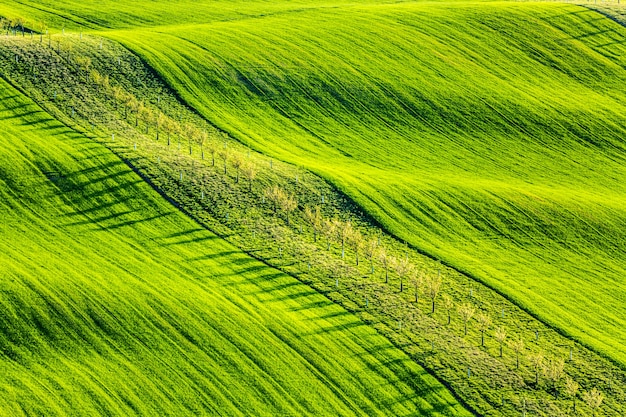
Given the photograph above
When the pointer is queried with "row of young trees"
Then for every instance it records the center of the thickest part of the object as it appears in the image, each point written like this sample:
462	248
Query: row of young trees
334	231
209	141
344	234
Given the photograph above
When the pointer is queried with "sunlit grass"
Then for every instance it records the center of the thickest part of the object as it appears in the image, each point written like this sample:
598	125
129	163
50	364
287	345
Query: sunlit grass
488	135
112	302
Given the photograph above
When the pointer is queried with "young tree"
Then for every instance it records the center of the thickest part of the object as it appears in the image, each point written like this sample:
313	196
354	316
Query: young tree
536	361
249	170
418	280
161	121
345	230
403	268
433	285
384	259
356	242
329	228
517	346
274	194
168	127
84	63
191	133
466	311
224	154
500	336
129	104
288	203
237	162
314	218
212	149
554	371
202	138
571	389
448	305
484	322
118	94
370	251
593	399
147	116
138	109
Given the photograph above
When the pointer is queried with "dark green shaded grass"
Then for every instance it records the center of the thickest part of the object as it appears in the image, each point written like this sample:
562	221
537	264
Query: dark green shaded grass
114	303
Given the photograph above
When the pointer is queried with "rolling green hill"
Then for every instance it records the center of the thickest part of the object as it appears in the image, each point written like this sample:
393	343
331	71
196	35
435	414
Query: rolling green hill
114	303
488	135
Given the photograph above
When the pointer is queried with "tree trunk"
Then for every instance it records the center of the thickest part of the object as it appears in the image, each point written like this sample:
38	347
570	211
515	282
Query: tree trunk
500	350
433	310
386	275
401	285
482	338
449	317
465	328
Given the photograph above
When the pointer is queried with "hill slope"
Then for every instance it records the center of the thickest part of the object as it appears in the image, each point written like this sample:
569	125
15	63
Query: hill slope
486	134
113	303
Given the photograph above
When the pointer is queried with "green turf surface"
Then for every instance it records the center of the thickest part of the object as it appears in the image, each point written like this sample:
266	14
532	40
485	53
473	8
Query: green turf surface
114	303
486	134
497	386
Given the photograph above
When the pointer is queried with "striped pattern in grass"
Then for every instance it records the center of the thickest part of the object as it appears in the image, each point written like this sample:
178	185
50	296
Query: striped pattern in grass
114	303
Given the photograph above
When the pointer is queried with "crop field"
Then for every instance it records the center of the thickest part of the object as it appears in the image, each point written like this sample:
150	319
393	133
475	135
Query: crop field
114	303
486	135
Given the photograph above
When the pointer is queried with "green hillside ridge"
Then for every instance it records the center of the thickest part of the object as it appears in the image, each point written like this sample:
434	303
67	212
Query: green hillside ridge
57	77
114	303
486	134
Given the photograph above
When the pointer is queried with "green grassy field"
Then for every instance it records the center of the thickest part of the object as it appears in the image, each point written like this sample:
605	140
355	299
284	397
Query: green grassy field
488	135
233	210
114	303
